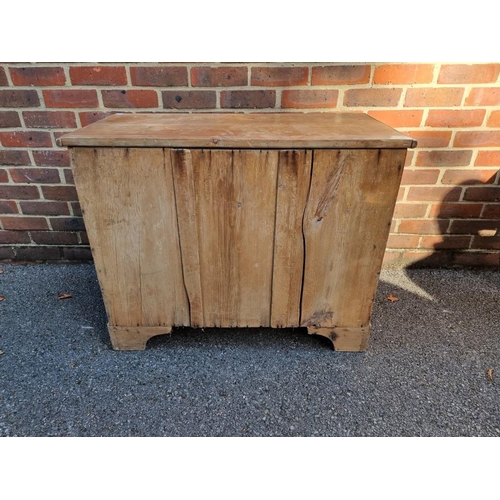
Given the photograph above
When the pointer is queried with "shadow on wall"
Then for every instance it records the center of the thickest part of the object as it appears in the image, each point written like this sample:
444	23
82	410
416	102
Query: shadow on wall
468	227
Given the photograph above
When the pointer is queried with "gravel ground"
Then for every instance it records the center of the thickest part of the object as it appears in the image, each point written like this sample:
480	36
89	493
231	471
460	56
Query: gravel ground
424	374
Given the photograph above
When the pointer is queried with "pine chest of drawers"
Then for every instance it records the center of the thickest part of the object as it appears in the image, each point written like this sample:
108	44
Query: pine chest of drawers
238	220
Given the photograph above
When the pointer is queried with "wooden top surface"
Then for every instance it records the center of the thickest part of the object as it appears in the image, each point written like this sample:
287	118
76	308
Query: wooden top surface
237	130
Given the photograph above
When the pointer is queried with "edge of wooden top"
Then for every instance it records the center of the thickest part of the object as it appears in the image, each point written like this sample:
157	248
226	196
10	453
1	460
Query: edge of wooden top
92	135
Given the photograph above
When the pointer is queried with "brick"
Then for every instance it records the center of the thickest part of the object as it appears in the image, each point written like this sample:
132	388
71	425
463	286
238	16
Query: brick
434	194
423	226
84	237
248	99
60	193
70	98
402	241
184	99
24	223
44	208
13	157
401	193
493	120
340	75
476	176
492	211
456	210
39	76
67	224
483	96
38	175
171	76
9	119
8	207
398	118
3	78
433	97
49	119
487	243
391	74
77	209
130	98
455	118
419	176
4	178
38	253
88	117
410	210
457	158
68	176
431	138
476	259
391	259
51	158
372	97
19	99
54	238
279	77
309	98
477	139
425	258
205	76
19	192
25	139
487	193
77	254
445	241
14	237
6	254
98	75
409	157
469	73
460	226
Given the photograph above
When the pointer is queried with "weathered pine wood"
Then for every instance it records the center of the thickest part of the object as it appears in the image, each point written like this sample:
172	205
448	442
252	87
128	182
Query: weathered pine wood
346	225
128	201
134	338
344	339
233	217
237	130
187	221
238	220
294	177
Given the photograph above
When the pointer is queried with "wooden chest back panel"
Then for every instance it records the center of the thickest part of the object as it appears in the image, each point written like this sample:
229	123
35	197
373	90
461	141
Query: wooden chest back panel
207	237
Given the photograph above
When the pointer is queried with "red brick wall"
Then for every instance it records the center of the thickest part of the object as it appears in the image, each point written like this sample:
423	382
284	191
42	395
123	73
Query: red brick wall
449	202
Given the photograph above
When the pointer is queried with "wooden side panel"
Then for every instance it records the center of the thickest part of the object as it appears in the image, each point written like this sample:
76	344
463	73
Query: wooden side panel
232	215
129	210
294	177
346	225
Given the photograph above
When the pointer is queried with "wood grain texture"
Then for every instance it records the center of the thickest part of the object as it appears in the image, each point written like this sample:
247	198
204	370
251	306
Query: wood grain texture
128	201
344	339
346	225
232	215
187	221
134	338
294	177
237	130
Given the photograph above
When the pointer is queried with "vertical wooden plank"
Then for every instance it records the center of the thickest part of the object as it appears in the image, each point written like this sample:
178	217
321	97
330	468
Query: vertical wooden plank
294	177
129	211
255	176
234	193
185	199
346	225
